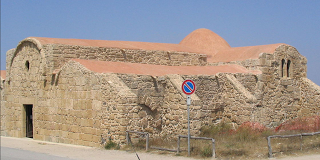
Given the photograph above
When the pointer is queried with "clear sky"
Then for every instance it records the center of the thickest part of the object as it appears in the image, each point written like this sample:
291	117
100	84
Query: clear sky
240	23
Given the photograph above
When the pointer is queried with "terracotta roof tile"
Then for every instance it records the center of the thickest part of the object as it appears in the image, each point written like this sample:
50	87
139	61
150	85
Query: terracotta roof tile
117	44
3	74
243	53
205	41
201	41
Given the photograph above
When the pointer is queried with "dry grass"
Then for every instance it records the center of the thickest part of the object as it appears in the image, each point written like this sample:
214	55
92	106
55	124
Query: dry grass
243	143
248	143
294	145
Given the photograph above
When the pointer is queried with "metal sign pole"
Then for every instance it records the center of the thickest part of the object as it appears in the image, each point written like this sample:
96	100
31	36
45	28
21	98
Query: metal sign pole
188	87
188	106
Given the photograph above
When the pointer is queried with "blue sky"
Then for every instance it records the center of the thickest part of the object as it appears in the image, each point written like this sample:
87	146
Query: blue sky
240	23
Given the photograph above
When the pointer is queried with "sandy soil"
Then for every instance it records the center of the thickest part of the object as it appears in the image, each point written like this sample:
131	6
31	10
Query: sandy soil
89	153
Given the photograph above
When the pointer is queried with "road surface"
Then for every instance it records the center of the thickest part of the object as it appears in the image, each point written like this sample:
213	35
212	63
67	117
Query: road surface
19	154
61	151
29	149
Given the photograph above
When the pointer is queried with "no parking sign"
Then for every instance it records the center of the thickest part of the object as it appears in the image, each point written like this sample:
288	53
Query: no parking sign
188	87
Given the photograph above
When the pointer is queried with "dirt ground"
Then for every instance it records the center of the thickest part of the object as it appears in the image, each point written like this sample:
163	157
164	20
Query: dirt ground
86	153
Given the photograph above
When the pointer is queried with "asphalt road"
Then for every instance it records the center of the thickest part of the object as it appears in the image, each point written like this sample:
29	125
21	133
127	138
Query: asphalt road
19	154
22	148
29	149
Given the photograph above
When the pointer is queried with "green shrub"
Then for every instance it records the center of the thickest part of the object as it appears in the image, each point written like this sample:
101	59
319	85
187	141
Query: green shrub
111	145
214	130
206	152
246	134
141	144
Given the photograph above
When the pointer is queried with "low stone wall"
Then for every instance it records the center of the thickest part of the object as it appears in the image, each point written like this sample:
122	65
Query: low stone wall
59	54
250	64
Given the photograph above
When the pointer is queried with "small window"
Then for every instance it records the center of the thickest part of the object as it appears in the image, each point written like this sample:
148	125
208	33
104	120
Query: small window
288	68
27	65
282	66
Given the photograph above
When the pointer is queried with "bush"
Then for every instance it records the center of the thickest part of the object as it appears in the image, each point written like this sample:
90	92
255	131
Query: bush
215	130
301	124
247	140
206	152
111	145
245	134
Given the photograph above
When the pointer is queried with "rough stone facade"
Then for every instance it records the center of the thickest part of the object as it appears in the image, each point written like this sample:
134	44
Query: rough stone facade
73	104
3	109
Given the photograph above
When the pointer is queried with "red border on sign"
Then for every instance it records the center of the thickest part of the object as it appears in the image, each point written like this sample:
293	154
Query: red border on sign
194	89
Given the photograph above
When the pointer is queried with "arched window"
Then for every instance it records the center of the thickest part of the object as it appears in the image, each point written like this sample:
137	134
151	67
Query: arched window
282	66
27	65
288	68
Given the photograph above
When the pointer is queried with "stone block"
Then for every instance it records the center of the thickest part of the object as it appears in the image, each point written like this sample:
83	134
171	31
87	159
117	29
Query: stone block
305	111
122	128
75	129
48	138
123	121
135	115
79	142
90	122
64	134
290	88
75	136
96	105
142	114
96	139
39	137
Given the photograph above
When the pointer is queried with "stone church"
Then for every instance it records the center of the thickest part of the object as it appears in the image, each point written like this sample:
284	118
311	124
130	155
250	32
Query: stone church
78	91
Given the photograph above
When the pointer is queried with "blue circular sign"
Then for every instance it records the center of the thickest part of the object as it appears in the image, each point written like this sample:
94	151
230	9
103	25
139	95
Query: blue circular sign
188	87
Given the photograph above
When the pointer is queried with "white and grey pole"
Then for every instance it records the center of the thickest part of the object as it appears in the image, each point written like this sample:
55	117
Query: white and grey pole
188	87
188	106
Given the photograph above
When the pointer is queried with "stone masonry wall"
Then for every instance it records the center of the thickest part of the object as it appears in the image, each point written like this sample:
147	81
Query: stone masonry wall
162	108
118	101
3	108
9	56
69	108
279	95
146	115
21	87
237	107
249	81
250	64
225	102
59	54
310	98
77	106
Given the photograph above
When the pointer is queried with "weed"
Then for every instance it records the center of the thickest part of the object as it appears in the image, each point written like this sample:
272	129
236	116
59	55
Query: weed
141	144
111	145
163	142
214	130
246	134
206	152
247	141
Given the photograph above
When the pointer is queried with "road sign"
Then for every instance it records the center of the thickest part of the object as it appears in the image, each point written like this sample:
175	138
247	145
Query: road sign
188	87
